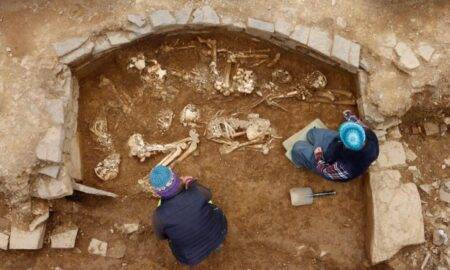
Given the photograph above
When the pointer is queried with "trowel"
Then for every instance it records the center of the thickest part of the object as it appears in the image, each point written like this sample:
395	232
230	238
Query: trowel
305	196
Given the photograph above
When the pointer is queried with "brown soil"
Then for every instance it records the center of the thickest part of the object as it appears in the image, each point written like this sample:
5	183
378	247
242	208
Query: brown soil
265	231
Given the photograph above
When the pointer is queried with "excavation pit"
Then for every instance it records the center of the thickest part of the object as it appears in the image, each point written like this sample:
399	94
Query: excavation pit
265	231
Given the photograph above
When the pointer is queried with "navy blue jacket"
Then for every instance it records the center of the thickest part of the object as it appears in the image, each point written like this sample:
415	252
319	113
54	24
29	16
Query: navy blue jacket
193	226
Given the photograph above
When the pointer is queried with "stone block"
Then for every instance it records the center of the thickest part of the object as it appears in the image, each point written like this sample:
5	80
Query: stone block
237	26
50	147
116	249
205	16
101	45
55	107
320	41
259	28
283	28
395	215
137	19
4	240
93	191
226	21
354	55
182	15
162	19
74	165
79	53
301	34
431	128
425	51
69	45
341	49
53	188
97	247
140	31
20	239
64	239
51	171
117	38
391	154
407	58
41	218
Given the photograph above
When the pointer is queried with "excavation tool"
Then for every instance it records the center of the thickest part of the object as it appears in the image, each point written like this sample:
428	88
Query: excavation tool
305	196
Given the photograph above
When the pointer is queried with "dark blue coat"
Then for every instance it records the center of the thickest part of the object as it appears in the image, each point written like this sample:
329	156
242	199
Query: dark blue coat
193	226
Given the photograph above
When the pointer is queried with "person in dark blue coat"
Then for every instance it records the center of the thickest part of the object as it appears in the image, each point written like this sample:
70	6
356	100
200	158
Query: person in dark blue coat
186	216
338	155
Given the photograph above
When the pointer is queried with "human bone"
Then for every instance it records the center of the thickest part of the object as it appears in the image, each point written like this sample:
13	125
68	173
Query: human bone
282	76
316	80
108	168
100	130
164	119
189	115
137	62
244	81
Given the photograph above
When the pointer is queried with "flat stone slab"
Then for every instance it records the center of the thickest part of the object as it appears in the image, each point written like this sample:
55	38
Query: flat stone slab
260	28
98	247
55	108
65	239
69	45
391	154
53	188
407	58
4	240
79	53
93	191
74	166
205	15
101	44
301	34
50	147
161	19
137	19
51	171
283	28
425	51
320	41
20	239
182	15
395	215
120	37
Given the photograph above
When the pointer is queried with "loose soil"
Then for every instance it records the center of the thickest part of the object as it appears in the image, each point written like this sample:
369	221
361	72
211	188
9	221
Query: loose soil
265	231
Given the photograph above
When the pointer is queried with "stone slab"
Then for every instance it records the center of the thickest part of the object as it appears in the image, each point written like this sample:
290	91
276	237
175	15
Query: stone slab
425	51
69	45
354	55
101	44
320	41
117	38
65	239
301	34
39	220
140	31
51	171
55	108
4	241
205	16
74	166
50	147
53	188
116	249
28	240
98	247
137	19
79	53
341	49
93	191
395	215
407	58
162	19
283	28
391	154
259	28
182	15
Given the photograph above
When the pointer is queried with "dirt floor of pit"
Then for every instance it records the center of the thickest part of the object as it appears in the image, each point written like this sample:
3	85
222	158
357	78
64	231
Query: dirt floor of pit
265	231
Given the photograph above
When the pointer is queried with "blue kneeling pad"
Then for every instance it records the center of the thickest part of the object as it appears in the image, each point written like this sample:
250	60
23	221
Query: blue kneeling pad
301	136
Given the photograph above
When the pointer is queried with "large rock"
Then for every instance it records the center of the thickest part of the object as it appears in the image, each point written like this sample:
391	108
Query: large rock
395	215
4	240
69	45
407	59
50	188
20	239
391	154
98	247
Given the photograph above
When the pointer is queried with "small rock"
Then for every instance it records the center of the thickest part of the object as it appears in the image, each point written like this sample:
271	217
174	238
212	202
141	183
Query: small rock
51	171
407	57
97	247
129	228
410	155
341	22
20	239
431	128
440	237
65	239
69	45
447	120
53	188
447	162
425	51
394	133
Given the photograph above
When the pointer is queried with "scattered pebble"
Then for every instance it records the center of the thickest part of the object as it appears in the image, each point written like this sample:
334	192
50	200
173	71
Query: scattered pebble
341	22
440	237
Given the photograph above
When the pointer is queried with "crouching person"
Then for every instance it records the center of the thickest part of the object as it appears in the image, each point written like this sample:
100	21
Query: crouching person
193	226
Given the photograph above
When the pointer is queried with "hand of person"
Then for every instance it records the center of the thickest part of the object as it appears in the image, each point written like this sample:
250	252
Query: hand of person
155	195
186	180
347	113
318	153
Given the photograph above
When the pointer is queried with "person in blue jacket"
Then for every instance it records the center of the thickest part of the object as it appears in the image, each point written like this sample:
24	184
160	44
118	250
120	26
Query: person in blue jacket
186	217
338	155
